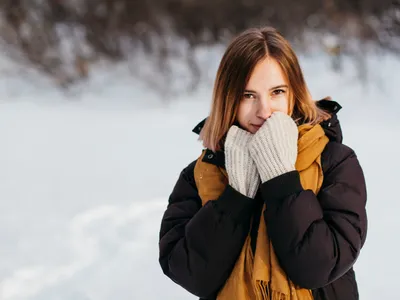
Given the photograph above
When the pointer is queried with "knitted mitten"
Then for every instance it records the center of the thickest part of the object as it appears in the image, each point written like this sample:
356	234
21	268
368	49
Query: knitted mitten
274	146
241	169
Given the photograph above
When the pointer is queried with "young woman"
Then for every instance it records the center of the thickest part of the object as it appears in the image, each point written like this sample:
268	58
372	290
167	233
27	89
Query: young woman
274	207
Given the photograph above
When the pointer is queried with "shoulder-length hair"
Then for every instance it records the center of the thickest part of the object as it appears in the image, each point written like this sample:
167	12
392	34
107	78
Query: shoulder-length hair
236	66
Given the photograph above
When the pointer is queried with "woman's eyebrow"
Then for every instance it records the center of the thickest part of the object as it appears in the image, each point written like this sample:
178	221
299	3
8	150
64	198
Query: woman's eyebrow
279	86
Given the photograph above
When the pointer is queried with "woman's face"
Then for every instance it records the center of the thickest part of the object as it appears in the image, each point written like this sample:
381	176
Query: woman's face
266	92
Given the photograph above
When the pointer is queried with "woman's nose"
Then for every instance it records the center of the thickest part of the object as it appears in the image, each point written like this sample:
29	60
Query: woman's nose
264	110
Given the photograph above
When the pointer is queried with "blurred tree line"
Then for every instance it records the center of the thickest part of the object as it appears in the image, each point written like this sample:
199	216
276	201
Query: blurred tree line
64	38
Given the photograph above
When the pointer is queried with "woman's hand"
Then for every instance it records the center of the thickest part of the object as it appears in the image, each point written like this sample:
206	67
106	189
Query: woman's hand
274	146
241	169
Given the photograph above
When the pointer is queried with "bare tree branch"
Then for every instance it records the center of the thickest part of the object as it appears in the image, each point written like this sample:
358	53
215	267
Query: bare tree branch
63	38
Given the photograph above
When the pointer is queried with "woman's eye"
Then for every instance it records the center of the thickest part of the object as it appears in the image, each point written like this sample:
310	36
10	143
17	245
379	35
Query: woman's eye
278	92
249	96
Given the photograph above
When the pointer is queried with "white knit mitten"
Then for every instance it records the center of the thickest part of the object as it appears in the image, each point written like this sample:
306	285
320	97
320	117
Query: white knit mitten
241	169
274	146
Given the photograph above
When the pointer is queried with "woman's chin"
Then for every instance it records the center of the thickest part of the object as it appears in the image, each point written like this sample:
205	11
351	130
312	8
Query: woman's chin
254	128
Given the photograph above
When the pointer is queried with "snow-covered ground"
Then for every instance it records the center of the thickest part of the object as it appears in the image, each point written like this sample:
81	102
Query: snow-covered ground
84	183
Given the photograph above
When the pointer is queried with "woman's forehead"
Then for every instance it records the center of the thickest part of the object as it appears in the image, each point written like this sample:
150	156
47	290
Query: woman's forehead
267	74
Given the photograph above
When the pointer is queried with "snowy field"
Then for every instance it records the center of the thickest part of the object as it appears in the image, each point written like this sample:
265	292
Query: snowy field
84	182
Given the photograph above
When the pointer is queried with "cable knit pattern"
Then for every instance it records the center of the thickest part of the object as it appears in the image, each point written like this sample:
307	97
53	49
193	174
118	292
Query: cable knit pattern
274	146
242	171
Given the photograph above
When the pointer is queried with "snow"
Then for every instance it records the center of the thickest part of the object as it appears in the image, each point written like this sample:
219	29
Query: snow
84	181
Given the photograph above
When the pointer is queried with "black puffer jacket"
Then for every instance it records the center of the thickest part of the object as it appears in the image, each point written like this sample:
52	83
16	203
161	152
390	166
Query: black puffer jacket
317	239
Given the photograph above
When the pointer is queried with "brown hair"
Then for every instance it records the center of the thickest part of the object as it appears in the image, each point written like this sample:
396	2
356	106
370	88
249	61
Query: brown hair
237	64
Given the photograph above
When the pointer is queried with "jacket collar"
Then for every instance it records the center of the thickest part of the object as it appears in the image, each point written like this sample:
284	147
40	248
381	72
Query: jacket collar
331	126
